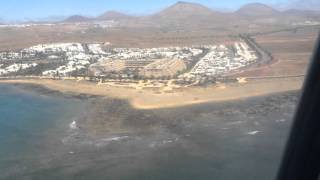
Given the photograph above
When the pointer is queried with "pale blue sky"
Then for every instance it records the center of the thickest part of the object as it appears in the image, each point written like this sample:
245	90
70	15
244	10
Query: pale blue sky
35	9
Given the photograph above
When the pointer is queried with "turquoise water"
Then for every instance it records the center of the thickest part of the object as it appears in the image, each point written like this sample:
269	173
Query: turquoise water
30	125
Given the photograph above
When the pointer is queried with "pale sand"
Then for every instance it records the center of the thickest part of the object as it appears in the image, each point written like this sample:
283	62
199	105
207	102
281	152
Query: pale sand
151	99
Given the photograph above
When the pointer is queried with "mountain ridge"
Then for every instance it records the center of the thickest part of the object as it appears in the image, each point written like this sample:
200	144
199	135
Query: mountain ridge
77	18
183	10
113	15
257	9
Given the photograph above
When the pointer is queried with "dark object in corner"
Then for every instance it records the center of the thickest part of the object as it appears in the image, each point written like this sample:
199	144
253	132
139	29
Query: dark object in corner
301	159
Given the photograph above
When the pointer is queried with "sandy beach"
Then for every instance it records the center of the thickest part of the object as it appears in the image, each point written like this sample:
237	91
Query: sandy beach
152	99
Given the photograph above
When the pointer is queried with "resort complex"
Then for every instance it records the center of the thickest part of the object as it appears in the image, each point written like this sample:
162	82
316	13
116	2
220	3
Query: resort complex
102	62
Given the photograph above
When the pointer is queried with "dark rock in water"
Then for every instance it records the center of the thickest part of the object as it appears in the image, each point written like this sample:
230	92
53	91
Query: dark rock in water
115	141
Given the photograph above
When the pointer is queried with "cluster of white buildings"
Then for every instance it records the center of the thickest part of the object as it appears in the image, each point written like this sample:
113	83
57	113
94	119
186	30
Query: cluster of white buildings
97	24
66	70
306	23
106	24
97	49
221	59
15	68
23	25
74	54
75	57
244	55
55	48
10	55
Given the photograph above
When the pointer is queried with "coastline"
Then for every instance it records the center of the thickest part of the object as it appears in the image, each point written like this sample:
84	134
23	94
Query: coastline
110	134
152	99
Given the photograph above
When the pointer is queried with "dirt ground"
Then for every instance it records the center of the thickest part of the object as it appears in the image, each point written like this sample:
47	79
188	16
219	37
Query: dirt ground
18	38
291	50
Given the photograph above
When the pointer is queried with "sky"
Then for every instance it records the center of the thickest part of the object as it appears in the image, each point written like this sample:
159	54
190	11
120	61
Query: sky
18	10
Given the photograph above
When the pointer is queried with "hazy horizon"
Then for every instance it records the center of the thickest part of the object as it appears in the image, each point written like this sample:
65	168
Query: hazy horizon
57	10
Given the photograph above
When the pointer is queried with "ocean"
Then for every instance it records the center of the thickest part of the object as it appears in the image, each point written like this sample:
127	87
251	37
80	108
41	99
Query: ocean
41	137
30	124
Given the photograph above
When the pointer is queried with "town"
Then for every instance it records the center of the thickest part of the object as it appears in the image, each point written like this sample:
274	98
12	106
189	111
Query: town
103	63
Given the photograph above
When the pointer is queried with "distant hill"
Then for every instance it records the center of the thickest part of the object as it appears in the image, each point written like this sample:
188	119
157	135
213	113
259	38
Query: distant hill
257	10
77	18
113	15
184	9
192	16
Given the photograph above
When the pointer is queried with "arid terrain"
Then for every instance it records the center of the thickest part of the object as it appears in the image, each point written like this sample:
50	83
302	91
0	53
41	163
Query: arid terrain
181	24
74	104
291	50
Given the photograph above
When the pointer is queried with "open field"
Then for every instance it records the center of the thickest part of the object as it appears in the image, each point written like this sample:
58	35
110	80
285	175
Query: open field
18	38
291	50
13	38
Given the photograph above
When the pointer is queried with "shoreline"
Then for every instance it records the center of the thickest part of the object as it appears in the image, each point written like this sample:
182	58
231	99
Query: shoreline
152	99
